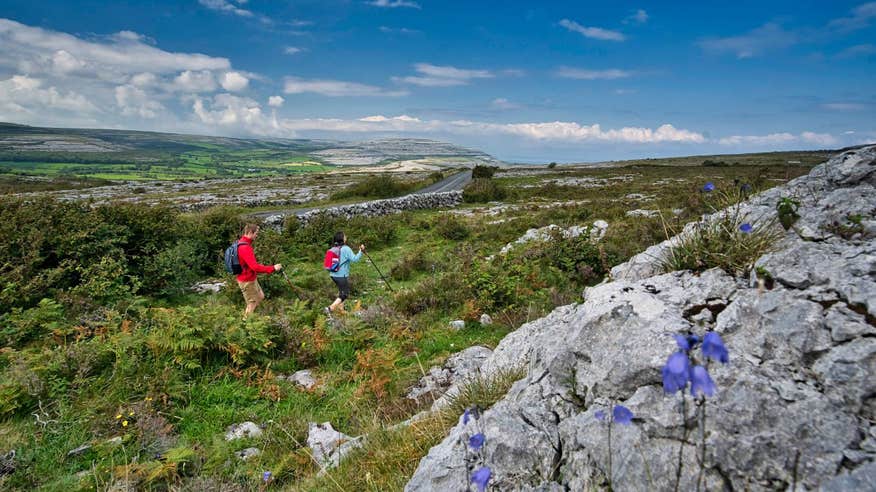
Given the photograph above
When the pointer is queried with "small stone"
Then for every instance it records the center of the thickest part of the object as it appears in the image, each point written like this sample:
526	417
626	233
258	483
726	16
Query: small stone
302	378
114	441
79	450
457	324
486	319
703	317
248	453
243	430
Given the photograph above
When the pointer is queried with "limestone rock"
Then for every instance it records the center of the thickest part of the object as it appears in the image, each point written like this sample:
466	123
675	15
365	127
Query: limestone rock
486	320
329	446
303	378
205	287
457	324
248	453
242	430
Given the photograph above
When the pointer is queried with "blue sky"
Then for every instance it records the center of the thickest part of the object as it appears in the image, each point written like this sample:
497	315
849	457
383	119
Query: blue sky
567	81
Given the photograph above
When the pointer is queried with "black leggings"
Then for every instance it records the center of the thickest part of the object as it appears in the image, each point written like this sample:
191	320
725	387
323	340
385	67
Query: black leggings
343	284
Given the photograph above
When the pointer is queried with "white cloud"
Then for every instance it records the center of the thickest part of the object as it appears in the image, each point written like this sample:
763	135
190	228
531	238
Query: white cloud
276	101
639	17
23	94
235	113
291	50
585	74
144	79
335	88
776	139
191	81
134	101
857	50
64	62
818	138
234	81
593	32
394	4
503	104
224	6
397	30
35	48
442	76
770	36
861	17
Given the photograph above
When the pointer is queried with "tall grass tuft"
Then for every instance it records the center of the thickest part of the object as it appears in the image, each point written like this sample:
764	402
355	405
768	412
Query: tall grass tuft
481	392
729	241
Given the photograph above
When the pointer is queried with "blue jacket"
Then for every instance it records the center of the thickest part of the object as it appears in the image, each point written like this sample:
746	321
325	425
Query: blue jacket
347	257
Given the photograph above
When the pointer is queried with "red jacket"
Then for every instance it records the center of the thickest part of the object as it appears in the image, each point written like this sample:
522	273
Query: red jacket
251	267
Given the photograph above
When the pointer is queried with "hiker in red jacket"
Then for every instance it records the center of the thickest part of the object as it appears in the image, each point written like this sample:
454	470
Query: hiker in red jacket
248	278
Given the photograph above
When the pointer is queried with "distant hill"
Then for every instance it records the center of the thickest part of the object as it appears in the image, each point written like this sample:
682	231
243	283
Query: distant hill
128	154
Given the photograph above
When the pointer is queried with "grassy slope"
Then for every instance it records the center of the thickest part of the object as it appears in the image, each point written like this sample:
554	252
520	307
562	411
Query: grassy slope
196	408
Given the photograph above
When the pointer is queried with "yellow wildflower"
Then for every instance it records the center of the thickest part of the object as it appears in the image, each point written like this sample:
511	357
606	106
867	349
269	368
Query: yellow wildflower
118	416
124	423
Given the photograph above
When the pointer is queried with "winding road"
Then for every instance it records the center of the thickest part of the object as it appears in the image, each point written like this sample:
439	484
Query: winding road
455	182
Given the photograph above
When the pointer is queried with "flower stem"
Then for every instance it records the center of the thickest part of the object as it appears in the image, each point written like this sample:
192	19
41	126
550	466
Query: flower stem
702	407
683	439
610	419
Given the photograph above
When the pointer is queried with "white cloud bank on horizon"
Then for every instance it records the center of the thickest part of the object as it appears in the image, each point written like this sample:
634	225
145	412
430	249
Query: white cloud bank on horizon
245	115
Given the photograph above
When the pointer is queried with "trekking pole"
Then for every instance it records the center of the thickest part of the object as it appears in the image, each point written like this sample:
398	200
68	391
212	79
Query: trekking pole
378	271
294	289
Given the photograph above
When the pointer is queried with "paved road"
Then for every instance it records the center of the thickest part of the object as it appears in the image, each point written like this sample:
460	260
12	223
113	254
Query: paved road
453	183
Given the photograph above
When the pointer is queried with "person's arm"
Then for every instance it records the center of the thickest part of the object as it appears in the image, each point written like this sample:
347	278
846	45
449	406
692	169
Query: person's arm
353	258
247	257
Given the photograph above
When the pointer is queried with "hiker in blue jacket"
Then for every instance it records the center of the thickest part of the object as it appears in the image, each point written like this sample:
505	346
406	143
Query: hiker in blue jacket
341	277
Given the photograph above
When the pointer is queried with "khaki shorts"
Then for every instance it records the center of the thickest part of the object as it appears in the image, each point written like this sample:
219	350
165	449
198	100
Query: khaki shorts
252	291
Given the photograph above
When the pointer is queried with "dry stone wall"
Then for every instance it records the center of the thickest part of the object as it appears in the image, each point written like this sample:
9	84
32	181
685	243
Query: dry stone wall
377	207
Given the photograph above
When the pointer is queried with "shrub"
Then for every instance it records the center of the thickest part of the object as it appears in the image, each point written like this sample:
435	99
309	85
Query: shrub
483	190
23	325
191	335
380	186
443	292
485	172
451	227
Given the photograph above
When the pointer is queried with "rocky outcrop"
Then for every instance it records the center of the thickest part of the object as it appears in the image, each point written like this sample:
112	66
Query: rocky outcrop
376	207
795	406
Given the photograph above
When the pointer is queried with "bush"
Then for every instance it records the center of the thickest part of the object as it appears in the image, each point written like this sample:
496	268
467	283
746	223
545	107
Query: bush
483	172
451	227
482	190
442	292
380	186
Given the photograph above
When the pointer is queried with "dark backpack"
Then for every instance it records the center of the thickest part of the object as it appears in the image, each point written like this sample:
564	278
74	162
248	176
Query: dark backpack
232	260
332	261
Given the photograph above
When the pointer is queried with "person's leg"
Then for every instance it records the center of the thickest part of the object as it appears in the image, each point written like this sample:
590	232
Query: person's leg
343	284
252	294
